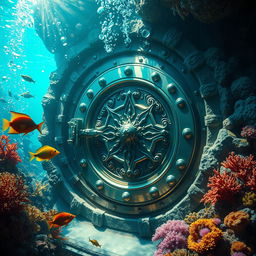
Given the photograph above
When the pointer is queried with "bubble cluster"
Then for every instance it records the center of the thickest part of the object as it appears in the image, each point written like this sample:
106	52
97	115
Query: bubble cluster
115	16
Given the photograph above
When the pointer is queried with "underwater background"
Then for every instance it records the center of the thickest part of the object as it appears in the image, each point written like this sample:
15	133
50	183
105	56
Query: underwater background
149	134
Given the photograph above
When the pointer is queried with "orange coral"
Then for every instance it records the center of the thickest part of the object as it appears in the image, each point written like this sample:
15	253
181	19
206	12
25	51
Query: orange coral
237	220
13	192
223	186
207	242
240	247
8	151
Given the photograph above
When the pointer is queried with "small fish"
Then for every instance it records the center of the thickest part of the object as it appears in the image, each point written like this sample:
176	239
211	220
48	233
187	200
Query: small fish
20	123
9	93
61	219
2	100
28	78
26	95
44	153
94	242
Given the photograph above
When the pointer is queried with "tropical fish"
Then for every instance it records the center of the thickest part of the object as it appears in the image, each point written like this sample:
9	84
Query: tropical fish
28	78
95	242
61	219
26	95
44	153
21	123
2	100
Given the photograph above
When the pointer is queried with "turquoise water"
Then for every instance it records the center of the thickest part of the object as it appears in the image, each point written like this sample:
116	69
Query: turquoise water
22	52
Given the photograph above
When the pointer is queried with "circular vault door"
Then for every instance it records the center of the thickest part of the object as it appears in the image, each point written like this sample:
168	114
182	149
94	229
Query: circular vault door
129	128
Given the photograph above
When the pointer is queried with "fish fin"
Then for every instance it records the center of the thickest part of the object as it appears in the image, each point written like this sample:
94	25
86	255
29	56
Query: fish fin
6	124
42	148
32	156
16	115
39	159
12	131
39	127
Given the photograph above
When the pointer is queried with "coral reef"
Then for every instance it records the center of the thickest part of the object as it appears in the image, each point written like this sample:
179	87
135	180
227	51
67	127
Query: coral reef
249	132
249	199
174	234
208	241
237	221
223	186
8	154
183	252
13	193
241	247
191	217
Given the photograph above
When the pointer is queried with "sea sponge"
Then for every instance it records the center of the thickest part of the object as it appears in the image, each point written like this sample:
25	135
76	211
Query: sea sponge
237	220
13	192
249	199
240	247
208	241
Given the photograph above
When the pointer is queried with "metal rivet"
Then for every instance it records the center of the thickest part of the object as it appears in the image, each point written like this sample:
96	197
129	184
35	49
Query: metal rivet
126	196
82	107
170	180
99	184
155	77
102	81
90	94
181	164
187	133
128	71
154	192
180	102
140	60
83	163
171	88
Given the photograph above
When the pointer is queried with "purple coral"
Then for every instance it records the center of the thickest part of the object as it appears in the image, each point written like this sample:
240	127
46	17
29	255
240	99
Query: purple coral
238	254
204	231
174	234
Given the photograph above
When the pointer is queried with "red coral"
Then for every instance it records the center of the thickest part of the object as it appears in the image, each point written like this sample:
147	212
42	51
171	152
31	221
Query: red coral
240	166
249	132
8	151
223	186
13	192
251	180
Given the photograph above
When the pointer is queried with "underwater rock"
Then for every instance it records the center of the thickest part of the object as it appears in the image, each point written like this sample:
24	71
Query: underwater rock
213	56
53	173
242	88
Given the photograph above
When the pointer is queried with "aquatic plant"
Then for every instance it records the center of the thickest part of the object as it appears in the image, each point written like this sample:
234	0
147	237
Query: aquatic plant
249	199
237	221
207	242
240	247
249	132
13	192
8	151
174	234
223	186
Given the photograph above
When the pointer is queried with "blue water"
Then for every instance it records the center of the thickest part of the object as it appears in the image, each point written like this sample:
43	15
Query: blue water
22	52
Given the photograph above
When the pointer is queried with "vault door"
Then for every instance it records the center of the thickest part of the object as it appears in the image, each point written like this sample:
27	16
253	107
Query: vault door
130	130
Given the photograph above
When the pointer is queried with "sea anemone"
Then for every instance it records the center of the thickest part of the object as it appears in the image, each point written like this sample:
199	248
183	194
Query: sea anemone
13	192
237	220
208	241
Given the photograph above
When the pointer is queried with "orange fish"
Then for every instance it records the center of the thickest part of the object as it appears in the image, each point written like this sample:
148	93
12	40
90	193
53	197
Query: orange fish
61	219
20	123
44	153
94	242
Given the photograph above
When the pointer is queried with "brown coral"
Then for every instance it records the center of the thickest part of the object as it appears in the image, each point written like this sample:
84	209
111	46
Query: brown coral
34	215
206	243
183	252
13	192
240	247
191	217
249	199
237	220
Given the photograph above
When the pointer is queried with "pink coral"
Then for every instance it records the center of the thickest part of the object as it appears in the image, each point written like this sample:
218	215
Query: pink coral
223	186
249	132
8	151
13	192
174	234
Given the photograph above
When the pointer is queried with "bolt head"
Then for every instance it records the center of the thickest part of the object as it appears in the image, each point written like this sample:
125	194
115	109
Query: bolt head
100	184
171	88
154	192
180	102
128	71
181	164
126	196
187	133
82	107
171	180
102	81
155	77
83	163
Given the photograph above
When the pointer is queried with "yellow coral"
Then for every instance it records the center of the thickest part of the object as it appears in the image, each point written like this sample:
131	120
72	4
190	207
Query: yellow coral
240	247
183	252
208	241
191	217
237	220
34	215
249	199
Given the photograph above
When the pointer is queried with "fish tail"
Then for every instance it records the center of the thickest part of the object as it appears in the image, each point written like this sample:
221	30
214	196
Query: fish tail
32	156
6	124
39	127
